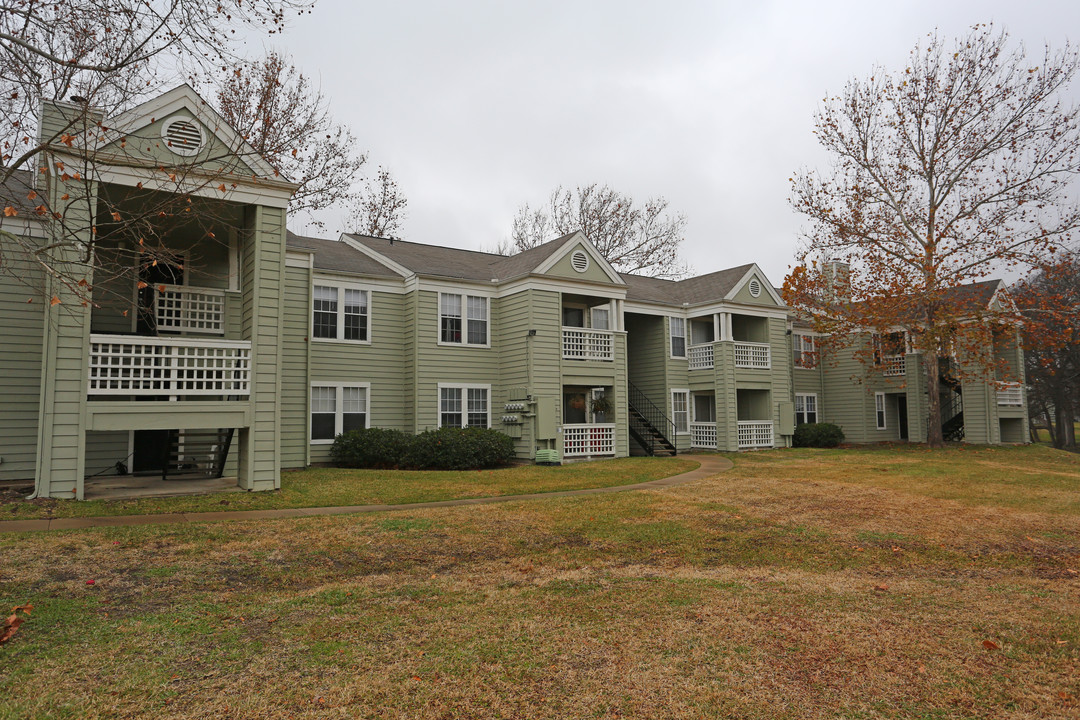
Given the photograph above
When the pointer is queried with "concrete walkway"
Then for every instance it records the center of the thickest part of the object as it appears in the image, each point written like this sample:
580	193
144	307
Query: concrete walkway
710	465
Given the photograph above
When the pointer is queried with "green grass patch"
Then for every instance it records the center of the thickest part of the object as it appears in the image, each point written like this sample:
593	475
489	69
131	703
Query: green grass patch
327	487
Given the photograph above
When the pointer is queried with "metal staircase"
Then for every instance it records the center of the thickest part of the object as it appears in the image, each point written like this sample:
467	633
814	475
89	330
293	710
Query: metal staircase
952	406
650	427
192	454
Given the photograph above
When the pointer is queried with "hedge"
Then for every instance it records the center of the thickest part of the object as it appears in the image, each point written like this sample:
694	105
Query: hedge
448	448
820	435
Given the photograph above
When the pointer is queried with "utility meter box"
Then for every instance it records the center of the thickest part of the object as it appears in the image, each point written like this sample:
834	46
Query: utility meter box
787	417
545	418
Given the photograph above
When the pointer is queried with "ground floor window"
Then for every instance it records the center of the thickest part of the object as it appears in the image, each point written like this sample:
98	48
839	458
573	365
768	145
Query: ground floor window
464	405
879	407
680	410
805	408
337	408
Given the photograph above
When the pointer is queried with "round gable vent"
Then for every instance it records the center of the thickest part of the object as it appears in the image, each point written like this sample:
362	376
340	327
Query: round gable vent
579	261
183	136
755	287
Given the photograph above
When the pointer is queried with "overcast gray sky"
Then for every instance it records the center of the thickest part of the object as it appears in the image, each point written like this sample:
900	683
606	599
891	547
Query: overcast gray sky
479	106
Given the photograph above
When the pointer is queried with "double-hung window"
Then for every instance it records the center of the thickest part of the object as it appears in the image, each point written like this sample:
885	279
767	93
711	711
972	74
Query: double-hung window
678	336
463	319
805	408
680	410
803	350
337	408
339	313
879	410
464	406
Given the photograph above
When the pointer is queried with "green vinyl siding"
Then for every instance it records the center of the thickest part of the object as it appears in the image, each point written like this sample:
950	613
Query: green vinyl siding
437	363
296	308
378	363
563	267
646	337
764	298
20	368
104	449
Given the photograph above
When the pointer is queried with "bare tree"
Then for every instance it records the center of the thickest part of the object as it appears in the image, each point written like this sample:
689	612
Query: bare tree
634	238
953	169
103	57
378	209
287	120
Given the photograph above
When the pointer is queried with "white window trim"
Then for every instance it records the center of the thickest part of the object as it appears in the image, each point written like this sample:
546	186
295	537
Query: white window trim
802	350
464	387
881	416
339	406
817	412
689	410
464	321
341	288
671	335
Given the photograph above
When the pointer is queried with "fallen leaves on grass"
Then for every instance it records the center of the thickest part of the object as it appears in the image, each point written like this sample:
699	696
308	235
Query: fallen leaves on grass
990	645
13	621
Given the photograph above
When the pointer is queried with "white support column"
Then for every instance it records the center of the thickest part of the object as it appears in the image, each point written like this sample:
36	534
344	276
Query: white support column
716	327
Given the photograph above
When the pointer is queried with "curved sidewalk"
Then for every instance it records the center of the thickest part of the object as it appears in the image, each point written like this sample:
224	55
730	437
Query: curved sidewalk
710	465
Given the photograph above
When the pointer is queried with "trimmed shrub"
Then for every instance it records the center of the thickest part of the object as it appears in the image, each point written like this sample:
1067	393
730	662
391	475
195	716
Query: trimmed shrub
818	435
448	448
370	448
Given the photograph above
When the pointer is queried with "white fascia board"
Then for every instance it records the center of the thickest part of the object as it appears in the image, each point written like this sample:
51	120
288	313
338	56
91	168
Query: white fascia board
303	259
451	285
183	97
765	281
562	252
382	284
277	197
375	255
566	285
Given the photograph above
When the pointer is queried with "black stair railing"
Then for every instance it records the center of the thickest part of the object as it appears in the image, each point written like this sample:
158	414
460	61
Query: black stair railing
649	424
952	417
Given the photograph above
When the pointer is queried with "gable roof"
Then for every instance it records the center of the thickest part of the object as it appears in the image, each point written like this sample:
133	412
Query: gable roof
439	261
184	97
338	256
711	287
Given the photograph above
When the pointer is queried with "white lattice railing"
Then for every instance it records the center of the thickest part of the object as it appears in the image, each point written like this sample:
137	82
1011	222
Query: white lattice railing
700	356
753	355
703	435
584	344
755	434
587	440
894	365
133	365
1011	394
187	309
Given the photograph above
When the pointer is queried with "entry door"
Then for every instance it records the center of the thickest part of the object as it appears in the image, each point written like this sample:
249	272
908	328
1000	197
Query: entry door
901	412
162	273
150	449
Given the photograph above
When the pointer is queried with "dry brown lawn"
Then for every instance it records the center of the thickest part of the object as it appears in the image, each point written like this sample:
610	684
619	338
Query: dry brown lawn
801	584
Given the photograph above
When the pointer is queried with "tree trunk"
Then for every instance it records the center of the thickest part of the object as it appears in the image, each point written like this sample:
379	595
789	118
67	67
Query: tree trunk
1063	422
933	407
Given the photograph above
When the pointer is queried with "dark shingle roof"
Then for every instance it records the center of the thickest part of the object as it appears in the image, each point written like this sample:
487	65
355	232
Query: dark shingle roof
691	291
461	264
337	256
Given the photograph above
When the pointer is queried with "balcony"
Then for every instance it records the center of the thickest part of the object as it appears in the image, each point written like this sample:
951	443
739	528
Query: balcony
588	440
703	435
700	356
585	344
755	434
753	355
188	309
1010	395
134	365
893	365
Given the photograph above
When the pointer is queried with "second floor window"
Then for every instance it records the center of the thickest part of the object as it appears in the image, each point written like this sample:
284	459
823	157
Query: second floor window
463	319
678	337
339	313
803	350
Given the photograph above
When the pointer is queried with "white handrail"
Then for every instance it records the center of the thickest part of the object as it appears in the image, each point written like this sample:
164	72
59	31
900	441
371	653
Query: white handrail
136	365
753	355
703	435
587	344
700	356
181	308
590	439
